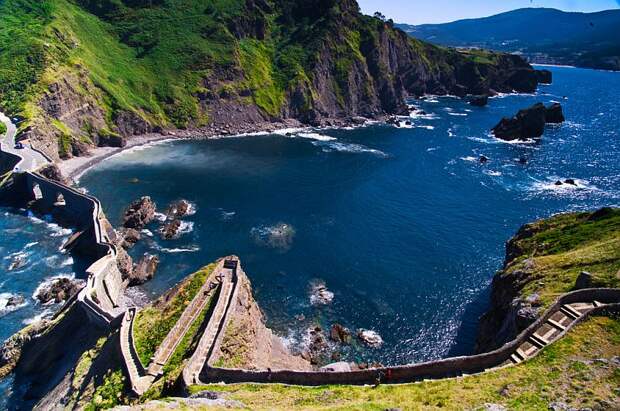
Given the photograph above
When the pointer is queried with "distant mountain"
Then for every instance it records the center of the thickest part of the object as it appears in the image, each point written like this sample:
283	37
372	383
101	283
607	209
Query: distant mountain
543	35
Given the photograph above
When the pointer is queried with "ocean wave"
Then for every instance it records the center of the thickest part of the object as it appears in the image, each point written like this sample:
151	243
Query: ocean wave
186	227
67	262
427	127
227	215
31	245
161	217
316	136
432	149
146	232
551	186
48	282
17	303
492	173
458	114
470	158
58	231
191	249
279	236
348	148
450	133
47	313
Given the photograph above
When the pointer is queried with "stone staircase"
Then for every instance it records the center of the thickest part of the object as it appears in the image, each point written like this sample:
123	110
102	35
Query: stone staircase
551	330
214	327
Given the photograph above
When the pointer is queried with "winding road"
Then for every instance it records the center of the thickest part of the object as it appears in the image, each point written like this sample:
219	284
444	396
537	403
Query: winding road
30	159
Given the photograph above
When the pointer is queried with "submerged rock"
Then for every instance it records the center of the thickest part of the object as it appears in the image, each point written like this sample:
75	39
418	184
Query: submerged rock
58	290
479	101
370	338
179	209
10	302
319	294
170	230
144	270
340	334
17	262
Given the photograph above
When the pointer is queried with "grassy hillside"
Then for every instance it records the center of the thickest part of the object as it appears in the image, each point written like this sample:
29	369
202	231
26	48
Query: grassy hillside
78	70
553	252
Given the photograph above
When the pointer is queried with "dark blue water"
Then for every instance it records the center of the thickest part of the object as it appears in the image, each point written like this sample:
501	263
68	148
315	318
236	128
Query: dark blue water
404	226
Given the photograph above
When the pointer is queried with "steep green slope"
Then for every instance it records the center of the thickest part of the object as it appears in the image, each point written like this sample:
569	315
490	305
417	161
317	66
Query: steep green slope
94	72
544	260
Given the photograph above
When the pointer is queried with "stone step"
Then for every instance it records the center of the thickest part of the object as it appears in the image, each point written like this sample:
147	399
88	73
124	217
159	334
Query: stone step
536	342
570	312
556	324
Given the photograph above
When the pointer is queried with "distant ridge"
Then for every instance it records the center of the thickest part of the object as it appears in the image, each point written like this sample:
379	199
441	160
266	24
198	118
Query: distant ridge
544	35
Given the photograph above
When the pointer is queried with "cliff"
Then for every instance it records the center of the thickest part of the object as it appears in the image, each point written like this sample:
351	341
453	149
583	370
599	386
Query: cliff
547	258
248	343
89	73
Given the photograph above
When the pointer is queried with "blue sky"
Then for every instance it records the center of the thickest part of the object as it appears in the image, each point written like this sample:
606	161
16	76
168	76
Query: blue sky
441	11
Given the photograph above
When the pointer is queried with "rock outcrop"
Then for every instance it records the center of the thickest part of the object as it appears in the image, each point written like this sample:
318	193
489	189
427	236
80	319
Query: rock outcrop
479	101
170	230
140	213
179	209
247	341
544	76
58	290
528	123
144	270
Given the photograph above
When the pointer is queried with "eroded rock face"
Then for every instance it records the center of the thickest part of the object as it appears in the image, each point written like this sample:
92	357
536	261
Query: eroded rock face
140	213
179	209
370	338
479	101
144	270
340	334
554	114
170	230
129	237
60	289
544	76
528	123
52	172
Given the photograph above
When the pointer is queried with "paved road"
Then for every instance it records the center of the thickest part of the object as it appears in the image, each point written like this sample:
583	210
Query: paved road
31	159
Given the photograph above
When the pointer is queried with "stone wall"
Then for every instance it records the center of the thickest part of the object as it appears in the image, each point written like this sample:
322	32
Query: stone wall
449	367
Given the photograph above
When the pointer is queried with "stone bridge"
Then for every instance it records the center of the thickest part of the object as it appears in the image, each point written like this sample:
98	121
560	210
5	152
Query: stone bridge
102	294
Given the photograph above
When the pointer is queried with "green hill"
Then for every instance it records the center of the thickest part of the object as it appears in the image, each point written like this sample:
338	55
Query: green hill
544	35
94	72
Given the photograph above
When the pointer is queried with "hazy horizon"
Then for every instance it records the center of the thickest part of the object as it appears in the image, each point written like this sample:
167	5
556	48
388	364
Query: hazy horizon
444	11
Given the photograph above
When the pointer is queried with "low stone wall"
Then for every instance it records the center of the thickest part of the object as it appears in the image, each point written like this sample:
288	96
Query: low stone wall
449	367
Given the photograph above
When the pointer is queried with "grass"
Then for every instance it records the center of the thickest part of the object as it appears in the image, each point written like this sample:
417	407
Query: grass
234	347
553	252
565	371
153	323
2	129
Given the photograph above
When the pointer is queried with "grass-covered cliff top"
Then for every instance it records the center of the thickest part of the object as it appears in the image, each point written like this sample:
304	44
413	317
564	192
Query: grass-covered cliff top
152	323
577	370
554	251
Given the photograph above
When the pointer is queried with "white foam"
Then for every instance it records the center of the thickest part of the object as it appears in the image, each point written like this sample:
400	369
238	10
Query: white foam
316	136
161	217
4	300
31	245
186	227
427	127
67	262
348	148
48	282
492	173
47	313
147	232
458	114
227	215
470	158
191	249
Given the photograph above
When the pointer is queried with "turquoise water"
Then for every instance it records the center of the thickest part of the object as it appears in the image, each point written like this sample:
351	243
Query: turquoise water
404	226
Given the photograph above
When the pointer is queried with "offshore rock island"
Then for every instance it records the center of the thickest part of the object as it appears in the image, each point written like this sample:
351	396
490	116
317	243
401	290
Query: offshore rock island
90	78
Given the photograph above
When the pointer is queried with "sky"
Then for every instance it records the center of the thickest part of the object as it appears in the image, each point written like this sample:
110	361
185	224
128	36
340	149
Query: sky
442	11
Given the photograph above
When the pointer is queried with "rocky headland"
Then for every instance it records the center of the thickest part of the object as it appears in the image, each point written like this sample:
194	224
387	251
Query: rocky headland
547	258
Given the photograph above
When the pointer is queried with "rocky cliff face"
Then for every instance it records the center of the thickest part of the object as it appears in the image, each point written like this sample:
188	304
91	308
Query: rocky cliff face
252	61
248	343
